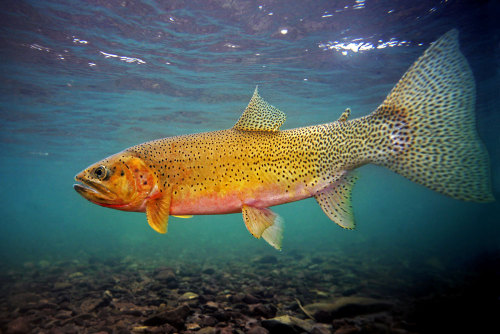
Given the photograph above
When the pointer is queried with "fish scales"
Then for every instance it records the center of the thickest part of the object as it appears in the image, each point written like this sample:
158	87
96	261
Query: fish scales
218	172
424	130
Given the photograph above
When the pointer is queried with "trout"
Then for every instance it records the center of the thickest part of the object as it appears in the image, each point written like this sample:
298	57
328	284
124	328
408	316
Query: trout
424	130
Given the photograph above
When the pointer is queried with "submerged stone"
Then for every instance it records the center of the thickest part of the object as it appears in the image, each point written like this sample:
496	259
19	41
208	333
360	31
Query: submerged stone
266	259
18	326
287	324
175	317
189	296
346	307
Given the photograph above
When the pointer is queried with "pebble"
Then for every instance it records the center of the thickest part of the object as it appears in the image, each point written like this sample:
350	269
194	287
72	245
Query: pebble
62	285
175	317
346	307
261	310
188	296
76	275
286	323
257	330
266	259
257	297
207	330
208	320
209	271
165	274
249	299
18	326
210	305
192	326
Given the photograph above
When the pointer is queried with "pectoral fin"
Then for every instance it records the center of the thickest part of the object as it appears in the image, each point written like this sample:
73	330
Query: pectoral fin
157	211
262	222
336	201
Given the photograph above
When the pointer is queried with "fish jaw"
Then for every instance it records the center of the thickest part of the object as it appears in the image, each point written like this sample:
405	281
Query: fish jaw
95	192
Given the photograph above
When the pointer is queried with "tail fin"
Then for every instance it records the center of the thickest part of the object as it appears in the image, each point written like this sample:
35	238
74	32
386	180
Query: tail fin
429	120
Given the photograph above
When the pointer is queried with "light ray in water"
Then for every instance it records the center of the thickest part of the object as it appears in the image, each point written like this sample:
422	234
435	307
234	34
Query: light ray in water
360	45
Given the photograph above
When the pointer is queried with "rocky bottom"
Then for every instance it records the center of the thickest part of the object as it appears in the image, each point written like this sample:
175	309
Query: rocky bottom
285	293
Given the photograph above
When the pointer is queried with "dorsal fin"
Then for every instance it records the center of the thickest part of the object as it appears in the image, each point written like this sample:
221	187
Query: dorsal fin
260	116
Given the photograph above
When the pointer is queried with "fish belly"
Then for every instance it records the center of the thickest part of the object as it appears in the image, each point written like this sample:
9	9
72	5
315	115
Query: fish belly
232	200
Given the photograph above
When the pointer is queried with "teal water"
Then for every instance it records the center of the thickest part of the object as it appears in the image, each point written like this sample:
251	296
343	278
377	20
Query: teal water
81	80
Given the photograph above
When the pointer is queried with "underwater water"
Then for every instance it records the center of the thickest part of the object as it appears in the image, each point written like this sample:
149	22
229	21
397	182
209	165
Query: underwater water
81	80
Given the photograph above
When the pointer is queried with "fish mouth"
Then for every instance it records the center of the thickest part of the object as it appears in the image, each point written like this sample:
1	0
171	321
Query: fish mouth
93	191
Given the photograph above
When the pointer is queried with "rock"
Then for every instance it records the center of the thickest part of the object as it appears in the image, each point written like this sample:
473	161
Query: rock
249	299
133	312
211	305
192	326
132	309
43	264
28	265
209	271
62	285
165	274
175	317
209	290
262	310
347	330
226	330
236	298
221	316
89	304
257	330
346	307
21	299
349	292
64	314
164	329
76	275
18	326
188	296
92	304
208	321
322	329
287	324
45	304
266	259
206	330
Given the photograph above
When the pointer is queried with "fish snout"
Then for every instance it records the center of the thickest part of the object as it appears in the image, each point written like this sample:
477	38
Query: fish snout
79	177
93	190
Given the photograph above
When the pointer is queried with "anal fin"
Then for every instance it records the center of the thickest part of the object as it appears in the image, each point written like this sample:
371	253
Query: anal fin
262	222
336	201
157	211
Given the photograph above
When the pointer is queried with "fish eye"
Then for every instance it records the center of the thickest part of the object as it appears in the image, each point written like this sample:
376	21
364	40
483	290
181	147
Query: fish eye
101	172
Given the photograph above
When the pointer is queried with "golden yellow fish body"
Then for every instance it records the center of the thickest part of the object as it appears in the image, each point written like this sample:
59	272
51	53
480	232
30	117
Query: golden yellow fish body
218	172
424	130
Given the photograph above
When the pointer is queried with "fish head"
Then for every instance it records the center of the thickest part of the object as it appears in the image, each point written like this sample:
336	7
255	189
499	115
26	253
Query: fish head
122	181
